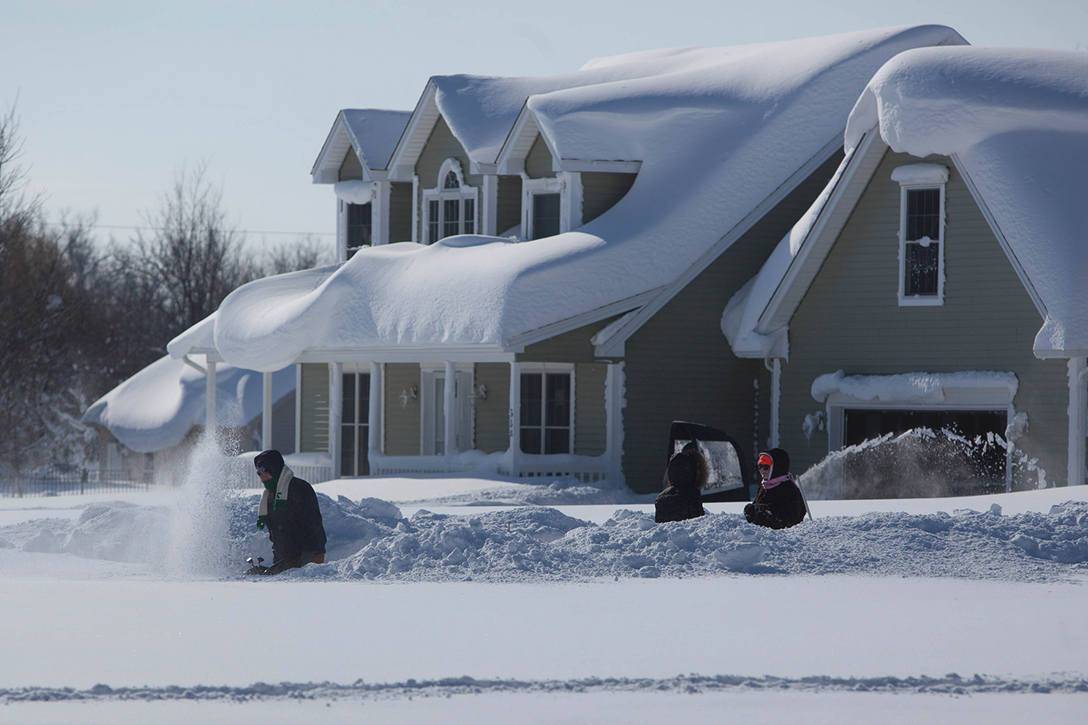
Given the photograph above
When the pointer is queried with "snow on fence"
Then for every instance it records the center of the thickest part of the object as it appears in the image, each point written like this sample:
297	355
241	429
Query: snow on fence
60	483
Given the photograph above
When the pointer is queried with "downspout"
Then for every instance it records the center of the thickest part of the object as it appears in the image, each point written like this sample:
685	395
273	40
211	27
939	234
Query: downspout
1078	419
774	365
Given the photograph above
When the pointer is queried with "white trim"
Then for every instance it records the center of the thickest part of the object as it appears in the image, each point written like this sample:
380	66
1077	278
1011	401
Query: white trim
544	369
457	406
266	411
569	187
489	203
775	368
336	394
615	401
514	420
379	214
415	209
375	411
907	177
440	195
518	343
412	142
1078	420
996	229
667	292
860	165
298	408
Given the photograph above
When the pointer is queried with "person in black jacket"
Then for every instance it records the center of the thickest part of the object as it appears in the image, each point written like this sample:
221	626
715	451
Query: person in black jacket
290	511
779	502
684	479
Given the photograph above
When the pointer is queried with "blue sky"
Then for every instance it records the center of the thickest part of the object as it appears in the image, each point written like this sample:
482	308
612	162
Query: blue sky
114	97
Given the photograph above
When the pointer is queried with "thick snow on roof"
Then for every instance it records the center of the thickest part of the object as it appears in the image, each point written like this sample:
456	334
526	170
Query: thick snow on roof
718	131
156	407
1016	120
375	132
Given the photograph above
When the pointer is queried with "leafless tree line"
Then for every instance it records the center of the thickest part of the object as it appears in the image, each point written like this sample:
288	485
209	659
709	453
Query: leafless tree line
77	318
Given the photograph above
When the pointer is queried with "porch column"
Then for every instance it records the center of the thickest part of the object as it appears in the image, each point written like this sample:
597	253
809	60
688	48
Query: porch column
449	407
210	422
488	210
515	419
776	397
1078	419
614	402
266	413
336	412
374	415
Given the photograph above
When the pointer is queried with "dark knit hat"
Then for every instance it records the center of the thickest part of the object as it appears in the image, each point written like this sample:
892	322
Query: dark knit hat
683	471
271	461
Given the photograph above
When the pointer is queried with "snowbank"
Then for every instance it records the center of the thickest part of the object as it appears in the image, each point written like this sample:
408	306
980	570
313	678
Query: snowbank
369	539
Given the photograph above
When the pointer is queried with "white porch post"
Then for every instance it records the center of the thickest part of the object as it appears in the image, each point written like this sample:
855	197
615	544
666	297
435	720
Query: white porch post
449	408
374	415
210	422
488	206
336	410
1078	419
776	397
614	403
515	419
266	413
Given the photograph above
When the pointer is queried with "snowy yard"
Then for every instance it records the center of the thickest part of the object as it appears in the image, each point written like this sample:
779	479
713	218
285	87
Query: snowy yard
435	611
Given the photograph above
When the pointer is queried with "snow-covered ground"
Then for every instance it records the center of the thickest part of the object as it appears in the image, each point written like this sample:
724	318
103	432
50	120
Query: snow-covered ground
450	600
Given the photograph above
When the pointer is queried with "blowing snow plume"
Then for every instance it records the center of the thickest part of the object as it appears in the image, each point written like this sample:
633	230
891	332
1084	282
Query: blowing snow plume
919	463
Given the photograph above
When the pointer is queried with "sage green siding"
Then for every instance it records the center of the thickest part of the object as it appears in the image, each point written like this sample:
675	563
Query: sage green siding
850	320
314	408
493	413
569	347
601	191
590	411
401	424
679	365
538	164
400	211
350	167
508	203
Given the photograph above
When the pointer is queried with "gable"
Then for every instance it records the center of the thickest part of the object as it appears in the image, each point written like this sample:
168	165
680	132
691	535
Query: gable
852	307
350	167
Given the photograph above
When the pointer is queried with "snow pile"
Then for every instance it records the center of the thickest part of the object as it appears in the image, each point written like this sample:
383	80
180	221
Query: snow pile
371	540
717	132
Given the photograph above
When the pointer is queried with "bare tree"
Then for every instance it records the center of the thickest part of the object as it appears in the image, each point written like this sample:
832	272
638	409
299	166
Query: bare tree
192	257
305	253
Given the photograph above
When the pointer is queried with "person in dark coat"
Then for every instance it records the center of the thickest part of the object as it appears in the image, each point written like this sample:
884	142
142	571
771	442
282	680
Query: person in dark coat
684	479
290	511
779	502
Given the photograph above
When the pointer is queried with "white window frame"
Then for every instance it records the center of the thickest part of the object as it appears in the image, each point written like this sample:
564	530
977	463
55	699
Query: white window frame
431	403
544	369
441	195
921	177
568	184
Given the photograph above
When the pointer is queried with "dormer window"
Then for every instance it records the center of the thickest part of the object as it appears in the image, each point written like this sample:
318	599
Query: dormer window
449	208
921	233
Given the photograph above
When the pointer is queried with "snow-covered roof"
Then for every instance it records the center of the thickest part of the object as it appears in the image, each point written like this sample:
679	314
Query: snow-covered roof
719	131
155	408
1015	122
373	133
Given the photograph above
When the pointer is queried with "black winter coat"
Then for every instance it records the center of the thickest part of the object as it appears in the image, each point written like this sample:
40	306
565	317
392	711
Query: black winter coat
778	507
296	531
678	504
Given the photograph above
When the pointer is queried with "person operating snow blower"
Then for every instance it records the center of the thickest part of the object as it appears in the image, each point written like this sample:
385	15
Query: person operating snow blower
779	503
290	511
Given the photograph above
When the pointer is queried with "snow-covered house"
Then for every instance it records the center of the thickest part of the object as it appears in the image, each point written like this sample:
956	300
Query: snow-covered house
159	413
939	280
550	256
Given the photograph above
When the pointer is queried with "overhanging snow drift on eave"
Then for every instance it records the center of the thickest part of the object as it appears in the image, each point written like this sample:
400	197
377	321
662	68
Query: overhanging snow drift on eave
721	132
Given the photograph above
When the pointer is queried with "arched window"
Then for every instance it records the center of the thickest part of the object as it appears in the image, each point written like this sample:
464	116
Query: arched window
449	208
